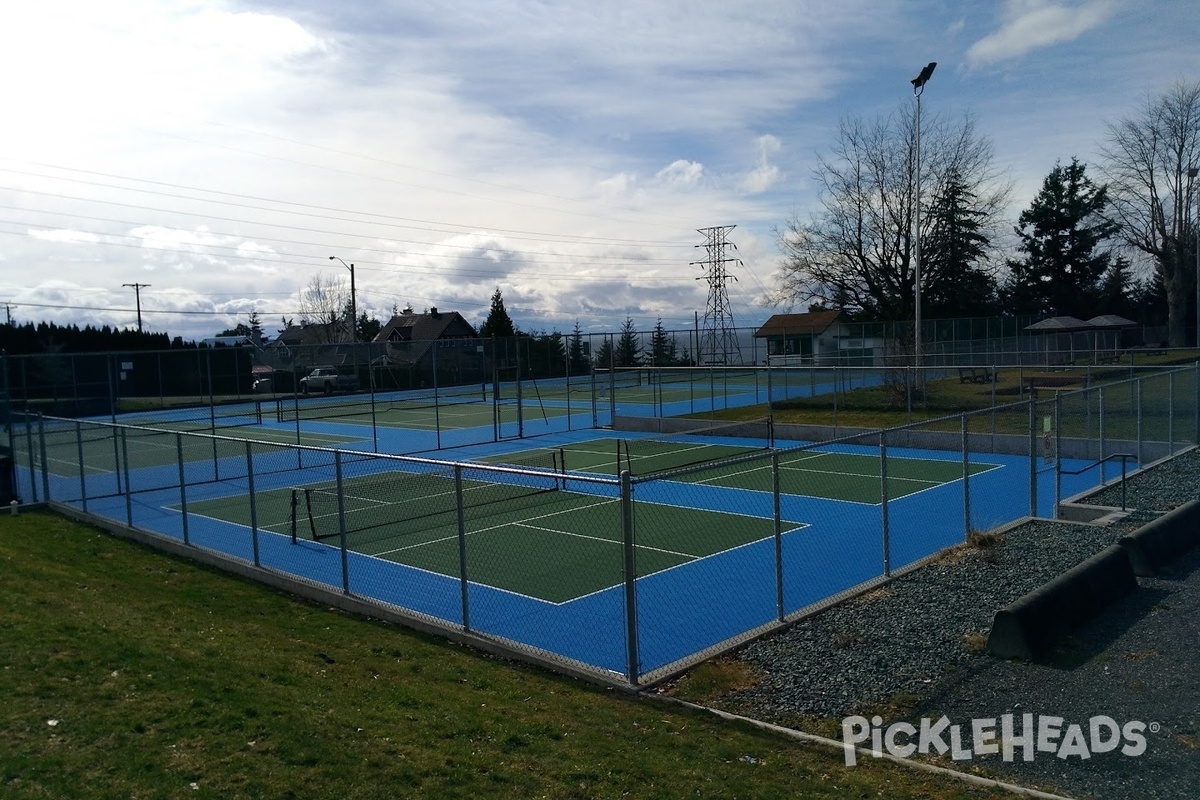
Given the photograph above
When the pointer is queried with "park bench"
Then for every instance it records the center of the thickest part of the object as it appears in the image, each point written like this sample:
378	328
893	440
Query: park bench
974	375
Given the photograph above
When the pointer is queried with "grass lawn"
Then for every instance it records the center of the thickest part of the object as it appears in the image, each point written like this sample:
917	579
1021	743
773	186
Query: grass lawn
883	407
126	673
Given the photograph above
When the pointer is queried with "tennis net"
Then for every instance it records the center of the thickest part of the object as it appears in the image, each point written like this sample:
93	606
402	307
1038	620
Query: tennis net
388	504
671	451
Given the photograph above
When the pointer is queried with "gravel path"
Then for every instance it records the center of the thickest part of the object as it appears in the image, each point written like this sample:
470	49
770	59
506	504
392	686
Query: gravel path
918	645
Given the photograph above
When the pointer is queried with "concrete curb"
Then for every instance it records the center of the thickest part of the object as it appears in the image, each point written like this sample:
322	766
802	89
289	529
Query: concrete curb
1156	544
1029	627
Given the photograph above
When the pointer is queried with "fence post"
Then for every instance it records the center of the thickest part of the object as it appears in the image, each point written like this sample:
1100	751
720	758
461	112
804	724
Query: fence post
123	467
883	504
45	463
82	466
1033	438
1171	413
1057	455
182	486
341	496
1141	456
29	447
462	547
780	611
966	458
1100	426
1196	400
253	500
631	634
437	403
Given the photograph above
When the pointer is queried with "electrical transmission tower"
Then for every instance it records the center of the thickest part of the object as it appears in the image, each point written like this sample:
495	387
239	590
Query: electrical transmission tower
718	340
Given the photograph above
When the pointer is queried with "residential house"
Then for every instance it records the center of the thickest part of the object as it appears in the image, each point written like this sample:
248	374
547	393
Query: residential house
413	344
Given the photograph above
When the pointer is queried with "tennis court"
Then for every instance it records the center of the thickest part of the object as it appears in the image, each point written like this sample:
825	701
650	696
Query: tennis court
833	472
541	540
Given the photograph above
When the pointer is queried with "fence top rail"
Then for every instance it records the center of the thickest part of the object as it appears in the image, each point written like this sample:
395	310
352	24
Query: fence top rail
358	454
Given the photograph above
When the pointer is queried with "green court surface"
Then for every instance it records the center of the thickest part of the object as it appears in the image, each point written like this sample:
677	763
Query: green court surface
424	414
102	446
534	540
850	477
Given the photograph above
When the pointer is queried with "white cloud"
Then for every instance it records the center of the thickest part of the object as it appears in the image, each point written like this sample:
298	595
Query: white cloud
681	174
62	236
765	174
1034	24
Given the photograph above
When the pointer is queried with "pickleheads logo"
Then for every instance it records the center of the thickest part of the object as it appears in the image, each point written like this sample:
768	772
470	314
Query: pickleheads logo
992	736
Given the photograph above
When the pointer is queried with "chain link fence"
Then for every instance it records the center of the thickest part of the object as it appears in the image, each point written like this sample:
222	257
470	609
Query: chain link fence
632	571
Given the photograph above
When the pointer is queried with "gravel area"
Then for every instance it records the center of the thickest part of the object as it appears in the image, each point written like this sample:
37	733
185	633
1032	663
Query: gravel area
917	648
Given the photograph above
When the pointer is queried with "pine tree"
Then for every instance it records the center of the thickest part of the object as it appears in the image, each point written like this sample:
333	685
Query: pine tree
663	348
605	355
954	285
628	348
498	323
577	353
1062	271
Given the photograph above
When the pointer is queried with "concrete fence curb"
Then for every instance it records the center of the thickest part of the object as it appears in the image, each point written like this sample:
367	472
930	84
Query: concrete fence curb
1154	545
1029	627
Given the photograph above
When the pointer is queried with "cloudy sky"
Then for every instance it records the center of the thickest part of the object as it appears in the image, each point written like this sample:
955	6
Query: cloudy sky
565	151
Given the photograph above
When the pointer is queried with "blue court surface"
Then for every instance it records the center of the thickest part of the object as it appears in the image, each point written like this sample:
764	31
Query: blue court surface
708	564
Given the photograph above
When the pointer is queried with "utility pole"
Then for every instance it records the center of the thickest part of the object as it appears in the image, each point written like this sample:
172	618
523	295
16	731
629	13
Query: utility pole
353	303
718	338
137	290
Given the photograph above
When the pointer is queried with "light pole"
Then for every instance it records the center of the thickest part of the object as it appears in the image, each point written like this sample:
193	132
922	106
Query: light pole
353	307
1192	173
918	89
137	291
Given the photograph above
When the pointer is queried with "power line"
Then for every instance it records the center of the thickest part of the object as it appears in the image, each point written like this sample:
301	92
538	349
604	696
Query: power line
309	208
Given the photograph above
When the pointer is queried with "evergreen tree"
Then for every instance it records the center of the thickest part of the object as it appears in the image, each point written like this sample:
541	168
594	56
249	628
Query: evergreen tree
664	352
629	347
368	327
605	355
577	353
497	323
1062	271
954	285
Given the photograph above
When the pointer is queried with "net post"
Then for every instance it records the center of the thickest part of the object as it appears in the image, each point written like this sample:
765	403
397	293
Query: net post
780	610
464	586
182	487
253	500
630	576
883	505
341	502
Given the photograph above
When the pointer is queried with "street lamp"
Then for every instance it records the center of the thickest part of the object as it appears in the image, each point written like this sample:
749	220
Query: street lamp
353	307
918	89
137	291
1192	173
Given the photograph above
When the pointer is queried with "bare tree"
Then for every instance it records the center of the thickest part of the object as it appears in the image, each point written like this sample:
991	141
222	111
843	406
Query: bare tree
325	303
1148	162
856	250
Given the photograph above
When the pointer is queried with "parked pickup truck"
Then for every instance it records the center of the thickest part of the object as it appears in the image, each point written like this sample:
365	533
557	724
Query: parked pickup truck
327	379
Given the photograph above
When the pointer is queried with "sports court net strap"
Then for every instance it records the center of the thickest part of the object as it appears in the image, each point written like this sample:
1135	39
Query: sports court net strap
672	451
389	502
